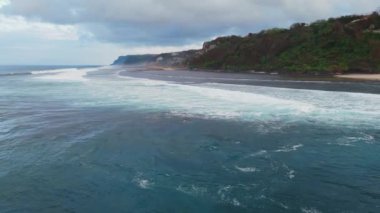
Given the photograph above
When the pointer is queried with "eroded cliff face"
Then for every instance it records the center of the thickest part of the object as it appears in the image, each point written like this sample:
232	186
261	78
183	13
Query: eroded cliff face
178	59
337	45
135	59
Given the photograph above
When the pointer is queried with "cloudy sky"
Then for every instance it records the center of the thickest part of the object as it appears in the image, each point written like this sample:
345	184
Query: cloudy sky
97	31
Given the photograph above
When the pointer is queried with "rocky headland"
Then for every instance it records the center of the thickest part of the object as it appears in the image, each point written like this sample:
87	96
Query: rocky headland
348	44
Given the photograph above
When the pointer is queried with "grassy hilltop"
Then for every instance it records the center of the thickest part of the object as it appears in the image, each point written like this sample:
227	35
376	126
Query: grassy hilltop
345	44
337	45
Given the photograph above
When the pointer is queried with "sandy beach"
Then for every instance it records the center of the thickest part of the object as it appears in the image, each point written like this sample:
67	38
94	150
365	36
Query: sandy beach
293	82
370	77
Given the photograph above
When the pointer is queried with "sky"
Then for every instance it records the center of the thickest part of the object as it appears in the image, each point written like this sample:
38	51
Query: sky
96	32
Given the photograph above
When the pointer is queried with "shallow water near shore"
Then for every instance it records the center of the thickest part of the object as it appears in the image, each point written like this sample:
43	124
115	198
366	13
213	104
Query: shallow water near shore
112	139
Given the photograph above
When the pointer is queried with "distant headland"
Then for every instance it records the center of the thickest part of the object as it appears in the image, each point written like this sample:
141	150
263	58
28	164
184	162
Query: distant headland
348	44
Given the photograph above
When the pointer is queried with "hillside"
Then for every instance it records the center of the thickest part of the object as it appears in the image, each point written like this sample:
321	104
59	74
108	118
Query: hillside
337	45
164	59
135	59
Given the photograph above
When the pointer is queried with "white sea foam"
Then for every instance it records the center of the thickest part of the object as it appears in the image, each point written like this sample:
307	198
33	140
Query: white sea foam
207	102
223	191
248	98
352	140
224	195
259	153
291	174
289	148
273	108
363	137
235	202
63	74
54	71
247	169
310	210
143	183
343	108
192	190
250	103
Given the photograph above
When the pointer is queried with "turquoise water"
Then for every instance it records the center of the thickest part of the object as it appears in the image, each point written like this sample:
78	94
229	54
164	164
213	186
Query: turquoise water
93	140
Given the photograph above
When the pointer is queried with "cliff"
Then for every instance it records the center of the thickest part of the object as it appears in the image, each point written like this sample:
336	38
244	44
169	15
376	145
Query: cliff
337	45
135	59
164	59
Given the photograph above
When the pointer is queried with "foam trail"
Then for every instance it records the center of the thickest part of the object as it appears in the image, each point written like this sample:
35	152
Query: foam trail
289	148
249	98
242	102
41	72
63	74
247	169
220	101
205	94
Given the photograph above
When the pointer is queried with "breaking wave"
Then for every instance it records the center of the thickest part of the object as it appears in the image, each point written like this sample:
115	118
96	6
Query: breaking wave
73	74
219	101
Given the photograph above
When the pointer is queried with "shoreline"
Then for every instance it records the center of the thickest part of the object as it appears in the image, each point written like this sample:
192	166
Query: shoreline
310	82
366	77
352	77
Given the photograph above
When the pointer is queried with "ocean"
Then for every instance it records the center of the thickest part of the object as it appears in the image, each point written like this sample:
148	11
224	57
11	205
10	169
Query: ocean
113	139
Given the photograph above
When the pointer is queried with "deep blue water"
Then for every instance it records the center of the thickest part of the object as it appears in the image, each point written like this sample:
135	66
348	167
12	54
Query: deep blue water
93	140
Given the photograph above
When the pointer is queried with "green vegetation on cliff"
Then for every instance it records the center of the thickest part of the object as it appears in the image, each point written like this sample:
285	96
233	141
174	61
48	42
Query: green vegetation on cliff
336	45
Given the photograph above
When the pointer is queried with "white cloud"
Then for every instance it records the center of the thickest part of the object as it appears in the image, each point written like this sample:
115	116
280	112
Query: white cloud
149	26
11	24
183	11
161	49
3	3
179	22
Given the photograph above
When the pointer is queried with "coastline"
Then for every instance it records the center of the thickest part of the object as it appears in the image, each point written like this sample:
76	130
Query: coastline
309	82
367	77
353	77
